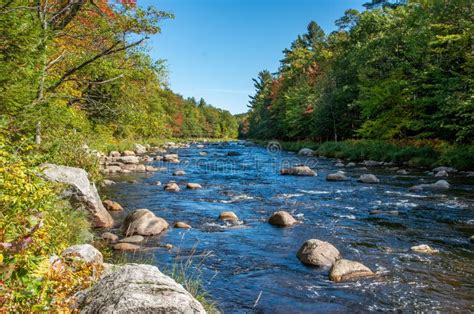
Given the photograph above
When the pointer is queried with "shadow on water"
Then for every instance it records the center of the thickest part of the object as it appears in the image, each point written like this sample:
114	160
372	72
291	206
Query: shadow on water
374	224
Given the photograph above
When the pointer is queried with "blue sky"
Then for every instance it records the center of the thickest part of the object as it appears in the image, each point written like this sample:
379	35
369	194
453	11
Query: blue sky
214	48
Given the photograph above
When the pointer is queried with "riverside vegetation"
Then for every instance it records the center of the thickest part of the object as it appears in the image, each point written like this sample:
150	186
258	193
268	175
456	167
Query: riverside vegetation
394	83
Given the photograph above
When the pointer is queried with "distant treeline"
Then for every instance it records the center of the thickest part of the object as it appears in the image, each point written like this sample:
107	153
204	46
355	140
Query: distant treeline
399	70
80	68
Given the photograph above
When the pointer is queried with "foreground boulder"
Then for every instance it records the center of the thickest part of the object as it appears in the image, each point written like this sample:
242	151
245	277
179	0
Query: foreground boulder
318	253
368	178
83	194
306	152
298	171
440	185
84	253
345	270
137	288
143	222
282	219
337	176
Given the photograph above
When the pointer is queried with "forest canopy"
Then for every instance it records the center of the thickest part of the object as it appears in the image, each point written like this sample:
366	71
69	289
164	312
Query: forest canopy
399	70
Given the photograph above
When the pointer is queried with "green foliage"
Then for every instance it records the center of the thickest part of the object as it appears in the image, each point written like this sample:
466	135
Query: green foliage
400	70
34	225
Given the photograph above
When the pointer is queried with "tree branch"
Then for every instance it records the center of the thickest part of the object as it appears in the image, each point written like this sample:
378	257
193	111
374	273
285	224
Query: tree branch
111	50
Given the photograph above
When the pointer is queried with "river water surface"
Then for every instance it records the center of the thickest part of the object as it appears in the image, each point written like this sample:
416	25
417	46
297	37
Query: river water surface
252	267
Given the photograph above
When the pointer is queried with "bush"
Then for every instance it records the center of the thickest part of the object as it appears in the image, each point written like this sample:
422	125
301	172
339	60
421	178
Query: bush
35	225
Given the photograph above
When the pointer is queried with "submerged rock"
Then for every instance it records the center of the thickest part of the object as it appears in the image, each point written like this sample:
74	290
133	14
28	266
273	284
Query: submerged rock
439	185
345	270
337	176
179	173
298	171
423	248
233	153
143	222
368	178
228	216
282	219
136	288
84	253
83	194
306	152
318	253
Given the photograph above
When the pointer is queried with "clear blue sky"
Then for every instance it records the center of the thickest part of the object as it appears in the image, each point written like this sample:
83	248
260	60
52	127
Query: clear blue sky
214	48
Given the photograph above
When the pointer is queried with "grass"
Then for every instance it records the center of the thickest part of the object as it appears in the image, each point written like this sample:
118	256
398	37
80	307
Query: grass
426	154
186	272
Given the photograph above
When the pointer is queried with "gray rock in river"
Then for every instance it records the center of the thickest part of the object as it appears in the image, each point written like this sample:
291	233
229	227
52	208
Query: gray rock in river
441	174
282	218
440	185
83	194
179	173
143	222
368	178
337	176
135	288
129	159
346	270
318	253
298	171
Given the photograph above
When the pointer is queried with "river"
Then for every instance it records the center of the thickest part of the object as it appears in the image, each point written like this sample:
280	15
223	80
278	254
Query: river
252	266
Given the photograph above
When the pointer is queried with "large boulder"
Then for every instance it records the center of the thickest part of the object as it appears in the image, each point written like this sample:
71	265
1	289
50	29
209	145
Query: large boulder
440	185
337	176
345	270
143	222
298	171
135	288
282	219
368	178
83	193
318	253
306	152
85	253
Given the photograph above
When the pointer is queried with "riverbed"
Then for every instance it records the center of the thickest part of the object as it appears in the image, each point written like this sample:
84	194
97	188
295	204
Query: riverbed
251	266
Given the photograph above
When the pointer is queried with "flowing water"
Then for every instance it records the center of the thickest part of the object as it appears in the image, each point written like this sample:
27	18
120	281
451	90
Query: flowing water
252	266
